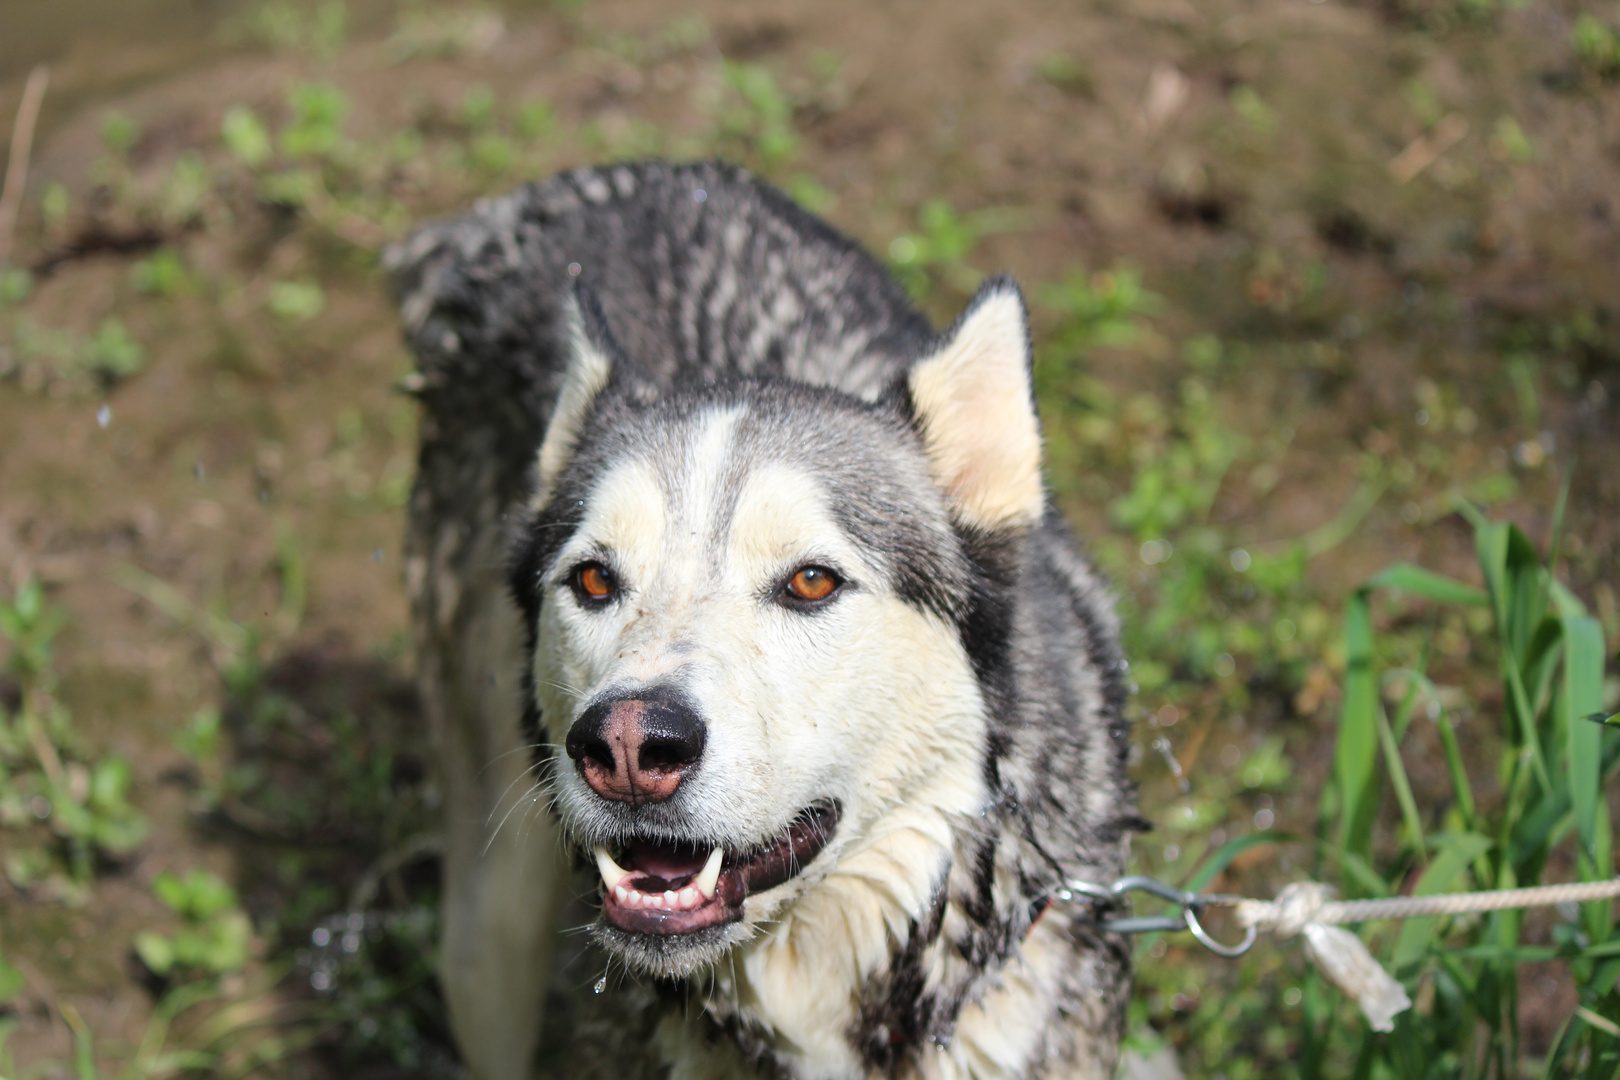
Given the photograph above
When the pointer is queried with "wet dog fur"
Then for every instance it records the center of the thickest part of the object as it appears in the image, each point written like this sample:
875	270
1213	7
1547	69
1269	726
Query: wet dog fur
676	376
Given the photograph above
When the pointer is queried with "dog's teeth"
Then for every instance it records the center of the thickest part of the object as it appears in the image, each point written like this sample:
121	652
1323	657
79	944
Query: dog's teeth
670	898
612	873
710	876
622	894
689	898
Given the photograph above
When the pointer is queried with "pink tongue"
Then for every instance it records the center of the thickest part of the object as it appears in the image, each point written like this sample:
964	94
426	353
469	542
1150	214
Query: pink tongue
669	862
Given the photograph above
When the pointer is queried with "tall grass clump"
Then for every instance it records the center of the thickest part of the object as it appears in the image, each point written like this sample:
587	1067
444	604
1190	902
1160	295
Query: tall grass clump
1536	813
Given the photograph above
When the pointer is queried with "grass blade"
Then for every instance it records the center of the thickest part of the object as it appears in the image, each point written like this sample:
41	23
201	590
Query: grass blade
1397	773
1356	753
1223	856
1428	584
1456	852
1583	695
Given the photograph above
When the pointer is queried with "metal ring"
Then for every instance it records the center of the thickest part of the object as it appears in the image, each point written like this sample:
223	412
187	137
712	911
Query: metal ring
1228	951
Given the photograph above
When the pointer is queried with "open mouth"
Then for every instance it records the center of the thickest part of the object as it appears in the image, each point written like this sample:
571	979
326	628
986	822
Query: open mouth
665	887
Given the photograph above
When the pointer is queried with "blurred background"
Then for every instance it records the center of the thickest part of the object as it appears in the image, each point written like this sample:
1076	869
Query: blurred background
1319	287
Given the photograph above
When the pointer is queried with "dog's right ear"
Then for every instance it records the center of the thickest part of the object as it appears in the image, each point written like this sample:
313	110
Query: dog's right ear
974	405
592	360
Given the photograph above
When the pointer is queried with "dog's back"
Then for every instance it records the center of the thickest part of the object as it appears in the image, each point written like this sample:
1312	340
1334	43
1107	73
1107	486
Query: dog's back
703	274
701	271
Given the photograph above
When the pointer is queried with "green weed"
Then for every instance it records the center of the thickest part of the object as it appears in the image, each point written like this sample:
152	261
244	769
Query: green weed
296	301
1597	45
1253	110
318	114
936	252
47	356
111	354
224	1036
119	133
164	274
755	115
535	119
215	935
1443	16
293	28
478	109
48	778
201	742
1067	73
1510	143
55	204
245	136
428	31
11	984
15	285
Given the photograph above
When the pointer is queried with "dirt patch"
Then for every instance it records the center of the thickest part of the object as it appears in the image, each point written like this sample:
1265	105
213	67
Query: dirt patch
1387	249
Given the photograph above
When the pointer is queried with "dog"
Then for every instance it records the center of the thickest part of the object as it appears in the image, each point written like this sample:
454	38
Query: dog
741	612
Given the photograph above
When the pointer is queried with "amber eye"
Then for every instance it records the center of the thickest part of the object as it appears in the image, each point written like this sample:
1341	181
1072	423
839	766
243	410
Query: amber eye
593	582
812	583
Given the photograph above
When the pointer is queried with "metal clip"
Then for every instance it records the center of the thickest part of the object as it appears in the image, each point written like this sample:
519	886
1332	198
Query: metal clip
1189	905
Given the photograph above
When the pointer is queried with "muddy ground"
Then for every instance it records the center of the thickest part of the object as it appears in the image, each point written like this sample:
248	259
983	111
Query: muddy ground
1386	237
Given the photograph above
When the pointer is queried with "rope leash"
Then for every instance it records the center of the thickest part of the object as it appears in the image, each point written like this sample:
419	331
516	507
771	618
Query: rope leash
1308	909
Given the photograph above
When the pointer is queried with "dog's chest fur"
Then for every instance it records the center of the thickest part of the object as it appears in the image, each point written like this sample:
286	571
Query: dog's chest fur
977	749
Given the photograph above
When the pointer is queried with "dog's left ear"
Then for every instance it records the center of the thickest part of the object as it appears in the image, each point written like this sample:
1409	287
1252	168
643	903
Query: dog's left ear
974	402
592	357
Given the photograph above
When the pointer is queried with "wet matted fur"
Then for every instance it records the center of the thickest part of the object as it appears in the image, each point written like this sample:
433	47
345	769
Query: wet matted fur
675	376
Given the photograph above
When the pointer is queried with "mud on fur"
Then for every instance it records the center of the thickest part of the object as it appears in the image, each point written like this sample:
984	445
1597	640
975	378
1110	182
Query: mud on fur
741	611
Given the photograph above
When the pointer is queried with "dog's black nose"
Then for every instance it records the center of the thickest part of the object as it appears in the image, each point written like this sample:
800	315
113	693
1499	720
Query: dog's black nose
637	749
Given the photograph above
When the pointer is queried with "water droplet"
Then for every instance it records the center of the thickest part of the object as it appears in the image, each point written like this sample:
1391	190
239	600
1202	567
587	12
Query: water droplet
601	985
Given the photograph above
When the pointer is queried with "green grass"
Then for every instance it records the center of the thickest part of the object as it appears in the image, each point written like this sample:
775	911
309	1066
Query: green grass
1547	817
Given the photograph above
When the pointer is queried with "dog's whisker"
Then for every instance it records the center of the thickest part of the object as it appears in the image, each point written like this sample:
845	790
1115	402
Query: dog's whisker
529	773
520	802
498	758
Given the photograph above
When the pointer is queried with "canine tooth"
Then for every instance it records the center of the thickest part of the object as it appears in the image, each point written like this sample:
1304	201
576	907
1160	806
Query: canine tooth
612	873
710	876
622	894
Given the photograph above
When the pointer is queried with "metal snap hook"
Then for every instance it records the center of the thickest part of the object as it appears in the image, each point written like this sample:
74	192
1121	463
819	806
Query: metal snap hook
1228	951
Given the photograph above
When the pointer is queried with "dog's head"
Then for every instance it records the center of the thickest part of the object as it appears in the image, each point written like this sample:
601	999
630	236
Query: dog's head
756	613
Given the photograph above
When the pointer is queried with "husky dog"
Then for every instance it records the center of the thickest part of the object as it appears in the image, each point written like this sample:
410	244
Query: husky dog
718	549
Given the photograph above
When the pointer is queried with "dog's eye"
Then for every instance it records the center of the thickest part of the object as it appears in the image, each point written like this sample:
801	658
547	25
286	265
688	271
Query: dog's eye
811	583
593	583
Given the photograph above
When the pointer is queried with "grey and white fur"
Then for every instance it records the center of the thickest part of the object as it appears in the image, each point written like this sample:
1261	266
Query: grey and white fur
663	409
